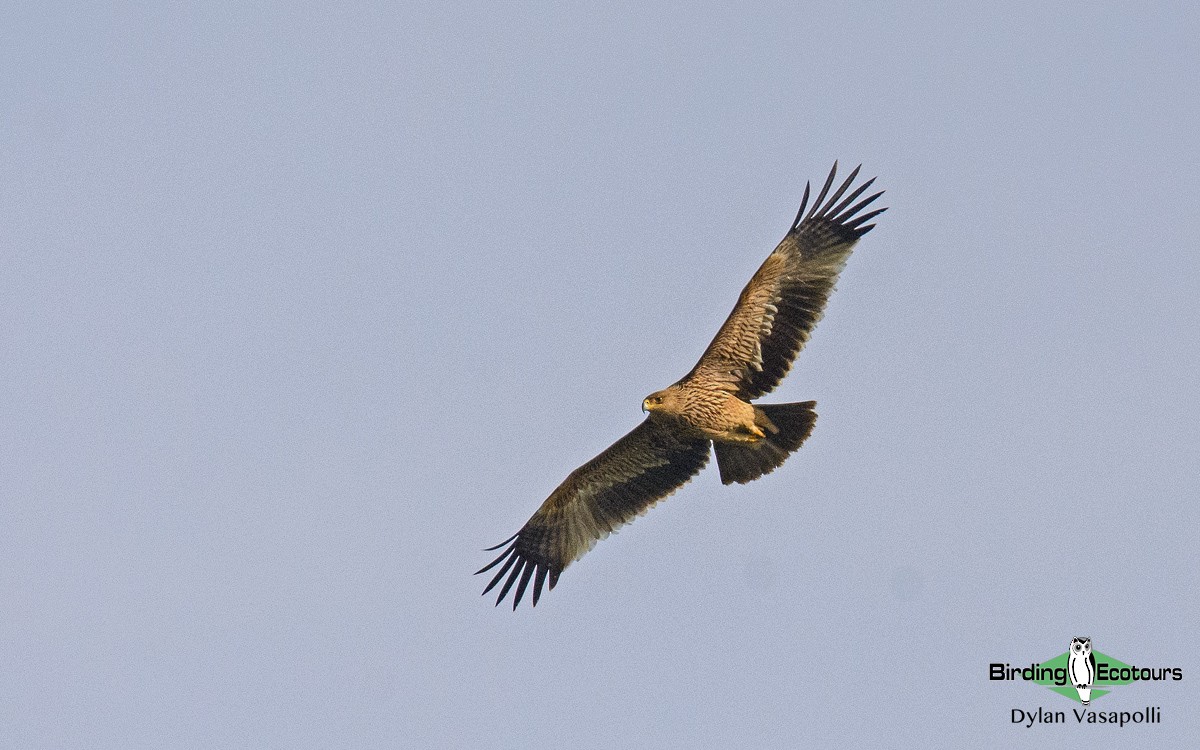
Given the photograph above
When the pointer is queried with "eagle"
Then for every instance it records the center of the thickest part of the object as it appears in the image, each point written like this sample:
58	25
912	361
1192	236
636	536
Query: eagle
710	407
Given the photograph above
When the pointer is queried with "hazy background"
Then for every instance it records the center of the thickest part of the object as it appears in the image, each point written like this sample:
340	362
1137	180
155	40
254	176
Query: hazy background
301	307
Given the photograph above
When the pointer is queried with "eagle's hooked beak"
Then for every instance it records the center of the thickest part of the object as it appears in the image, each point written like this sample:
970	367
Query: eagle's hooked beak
645	405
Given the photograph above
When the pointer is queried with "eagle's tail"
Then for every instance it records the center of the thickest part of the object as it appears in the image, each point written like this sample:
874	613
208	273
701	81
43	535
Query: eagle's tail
786	427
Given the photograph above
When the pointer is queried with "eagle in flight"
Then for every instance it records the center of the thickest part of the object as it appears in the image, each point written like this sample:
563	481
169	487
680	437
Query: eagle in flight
710	406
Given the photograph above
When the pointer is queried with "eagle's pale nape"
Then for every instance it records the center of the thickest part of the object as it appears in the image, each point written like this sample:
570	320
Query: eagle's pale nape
710	406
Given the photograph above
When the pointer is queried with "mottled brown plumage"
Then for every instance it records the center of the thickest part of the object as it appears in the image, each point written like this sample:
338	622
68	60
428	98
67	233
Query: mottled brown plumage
749	356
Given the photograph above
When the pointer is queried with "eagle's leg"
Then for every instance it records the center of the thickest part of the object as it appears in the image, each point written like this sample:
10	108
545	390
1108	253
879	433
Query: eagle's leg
747	433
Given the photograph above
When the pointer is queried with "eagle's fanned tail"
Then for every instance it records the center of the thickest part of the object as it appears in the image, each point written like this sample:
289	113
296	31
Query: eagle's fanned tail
787	426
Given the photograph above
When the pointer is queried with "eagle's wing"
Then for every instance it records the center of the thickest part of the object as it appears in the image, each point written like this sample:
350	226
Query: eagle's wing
599	497
786	297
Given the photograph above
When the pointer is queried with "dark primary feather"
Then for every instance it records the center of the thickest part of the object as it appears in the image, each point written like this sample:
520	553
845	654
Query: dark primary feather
786	297
607	492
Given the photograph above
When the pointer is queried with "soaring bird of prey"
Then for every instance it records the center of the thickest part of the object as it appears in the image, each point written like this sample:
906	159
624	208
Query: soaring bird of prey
710	406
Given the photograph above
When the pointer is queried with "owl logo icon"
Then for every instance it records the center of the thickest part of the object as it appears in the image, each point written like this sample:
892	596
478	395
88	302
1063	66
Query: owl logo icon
1081	666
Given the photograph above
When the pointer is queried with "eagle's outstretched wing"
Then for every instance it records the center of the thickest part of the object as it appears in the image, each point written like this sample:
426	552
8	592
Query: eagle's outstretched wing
604	494
786	297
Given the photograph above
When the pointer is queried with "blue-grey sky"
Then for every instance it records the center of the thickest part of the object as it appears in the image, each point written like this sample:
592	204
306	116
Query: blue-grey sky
305	304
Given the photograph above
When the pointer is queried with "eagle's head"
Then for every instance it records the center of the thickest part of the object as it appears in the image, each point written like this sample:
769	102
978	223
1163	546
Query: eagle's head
665	401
